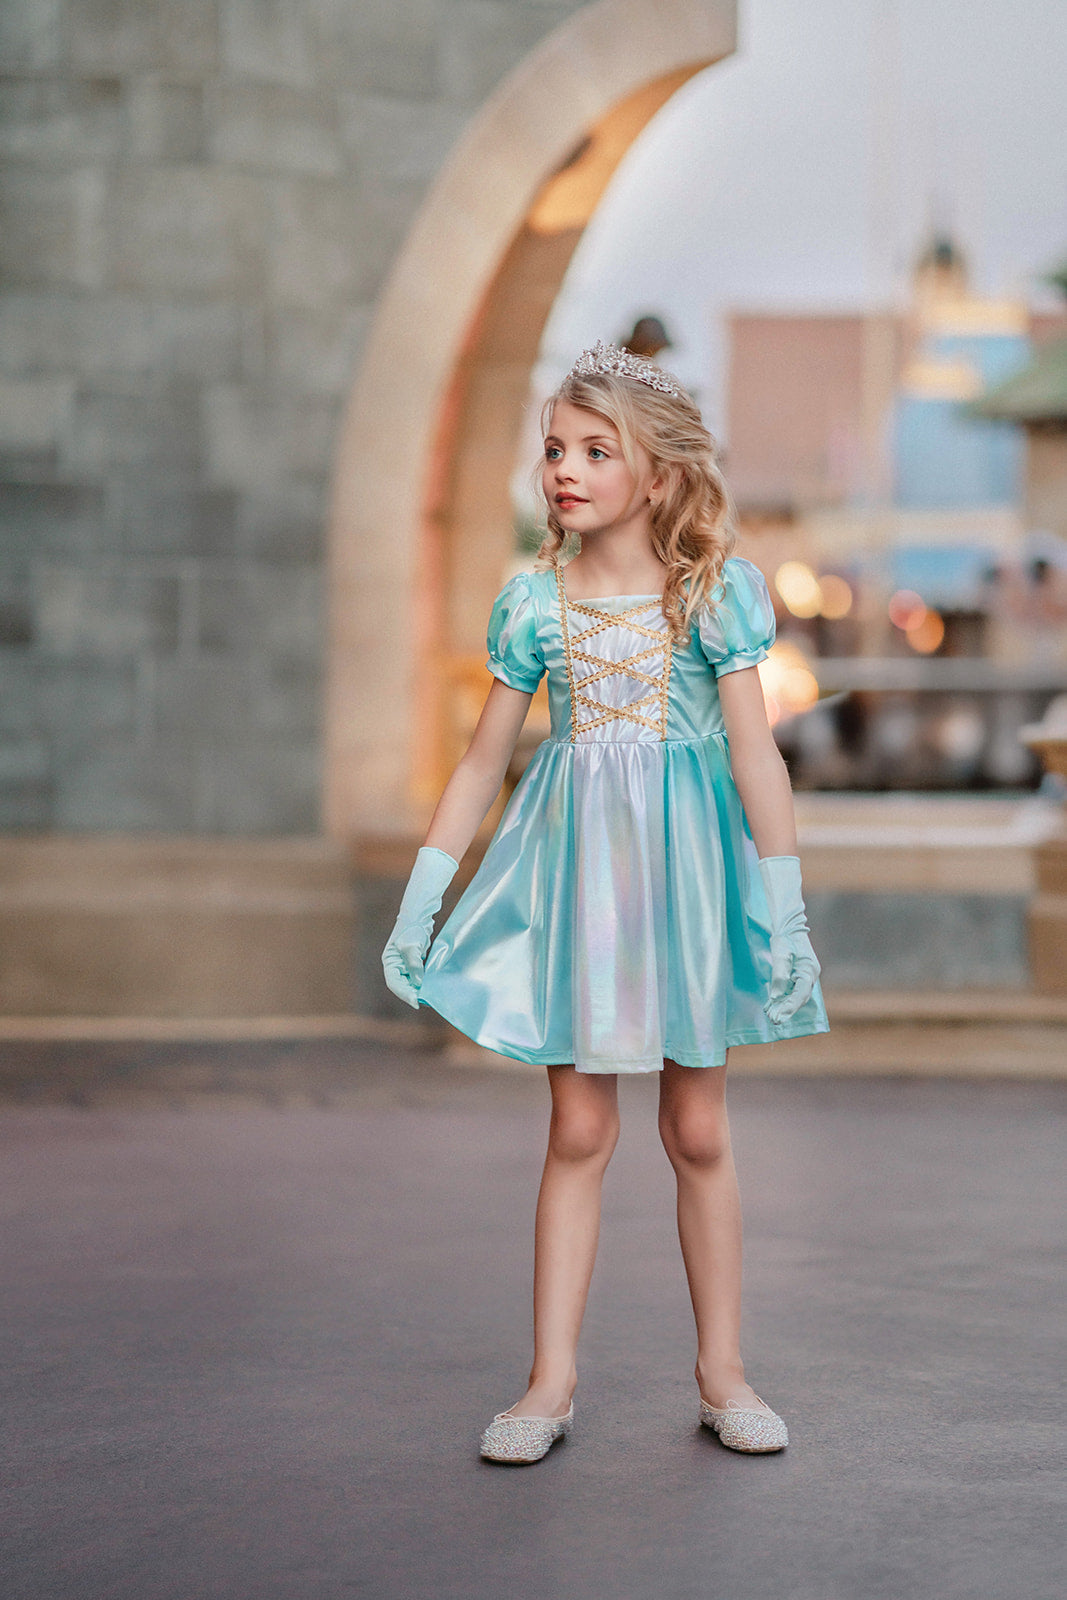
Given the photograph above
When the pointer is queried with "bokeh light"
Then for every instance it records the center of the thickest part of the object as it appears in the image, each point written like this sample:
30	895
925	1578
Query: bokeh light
789	685
906	609
836	597
926	634
799	588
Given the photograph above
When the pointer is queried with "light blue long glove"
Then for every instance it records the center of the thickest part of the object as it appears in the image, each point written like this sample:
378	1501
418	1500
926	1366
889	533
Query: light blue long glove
403	956
794	965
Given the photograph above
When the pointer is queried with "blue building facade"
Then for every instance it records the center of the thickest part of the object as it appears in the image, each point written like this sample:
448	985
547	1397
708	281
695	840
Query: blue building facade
944	459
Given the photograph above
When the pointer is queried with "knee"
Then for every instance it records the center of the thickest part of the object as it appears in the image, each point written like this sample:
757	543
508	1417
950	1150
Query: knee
699	1138
587	1133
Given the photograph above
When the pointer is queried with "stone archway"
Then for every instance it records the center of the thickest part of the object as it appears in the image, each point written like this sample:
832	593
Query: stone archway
446	367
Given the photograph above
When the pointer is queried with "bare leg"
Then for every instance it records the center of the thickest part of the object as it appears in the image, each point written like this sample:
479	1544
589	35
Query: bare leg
696	1136
582	1135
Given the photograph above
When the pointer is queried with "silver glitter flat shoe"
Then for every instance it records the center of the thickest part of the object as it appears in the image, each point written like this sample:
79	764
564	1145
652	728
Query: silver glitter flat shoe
743	1427
509	1438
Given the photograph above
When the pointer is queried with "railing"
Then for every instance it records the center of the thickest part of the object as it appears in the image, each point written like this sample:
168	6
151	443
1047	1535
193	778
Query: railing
914	723
942	674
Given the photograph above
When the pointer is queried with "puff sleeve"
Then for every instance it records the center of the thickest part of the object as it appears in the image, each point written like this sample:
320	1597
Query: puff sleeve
514	655
738	629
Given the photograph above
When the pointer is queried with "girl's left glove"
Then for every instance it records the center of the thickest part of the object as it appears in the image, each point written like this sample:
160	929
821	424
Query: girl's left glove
794	965
403	956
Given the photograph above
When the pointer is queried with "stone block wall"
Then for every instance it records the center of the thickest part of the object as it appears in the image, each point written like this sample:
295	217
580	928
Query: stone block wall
199	203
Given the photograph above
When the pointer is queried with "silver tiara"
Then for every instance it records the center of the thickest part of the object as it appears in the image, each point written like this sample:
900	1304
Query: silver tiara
608	358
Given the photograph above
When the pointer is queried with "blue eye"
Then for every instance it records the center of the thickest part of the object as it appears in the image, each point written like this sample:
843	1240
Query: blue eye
596	452
553	452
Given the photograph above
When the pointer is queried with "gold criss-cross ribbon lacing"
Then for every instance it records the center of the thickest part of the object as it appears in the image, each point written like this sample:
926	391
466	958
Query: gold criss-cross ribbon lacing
635	711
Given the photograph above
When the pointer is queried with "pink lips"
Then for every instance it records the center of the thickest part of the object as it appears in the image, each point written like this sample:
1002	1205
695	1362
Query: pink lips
565	501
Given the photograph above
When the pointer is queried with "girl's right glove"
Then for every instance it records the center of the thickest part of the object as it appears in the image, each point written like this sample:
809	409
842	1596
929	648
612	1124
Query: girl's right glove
403	956
794	965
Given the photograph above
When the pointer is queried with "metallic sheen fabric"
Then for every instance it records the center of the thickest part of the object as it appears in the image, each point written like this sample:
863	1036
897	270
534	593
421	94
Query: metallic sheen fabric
618	916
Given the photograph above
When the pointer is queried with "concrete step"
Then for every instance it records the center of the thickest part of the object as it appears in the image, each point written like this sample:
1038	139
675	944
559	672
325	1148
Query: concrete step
964	1034
961	1034
116	924
921	843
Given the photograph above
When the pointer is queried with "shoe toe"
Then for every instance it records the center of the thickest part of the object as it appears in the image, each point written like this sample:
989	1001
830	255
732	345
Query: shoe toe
510	1438
739	1429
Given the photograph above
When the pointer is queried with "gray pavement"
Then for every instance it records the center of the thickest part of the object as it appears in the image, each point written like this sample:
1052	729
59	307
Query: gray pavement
259	1300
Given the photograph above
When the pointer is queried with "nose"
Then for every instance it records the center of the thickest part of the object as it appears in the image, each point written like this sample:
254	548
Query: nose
564	470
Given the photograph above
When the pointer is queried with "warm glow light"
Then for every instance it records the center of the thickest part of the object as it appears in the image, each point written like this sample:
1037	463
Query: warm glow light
836	597
799	588
906	609
927	633
789	685
801	688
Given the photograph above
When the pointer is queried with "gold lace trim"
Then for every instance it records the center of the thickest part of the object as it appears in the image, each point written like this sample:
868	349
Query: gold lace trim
658	684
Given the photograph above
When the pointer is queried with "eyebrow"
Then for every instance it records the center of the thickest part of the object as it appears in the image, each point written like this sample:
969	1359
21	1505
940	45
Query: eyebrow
590	438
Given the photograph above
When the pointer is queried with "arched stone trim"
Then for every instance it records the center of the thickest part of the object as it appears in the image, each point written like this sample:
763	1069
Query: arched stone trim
521	165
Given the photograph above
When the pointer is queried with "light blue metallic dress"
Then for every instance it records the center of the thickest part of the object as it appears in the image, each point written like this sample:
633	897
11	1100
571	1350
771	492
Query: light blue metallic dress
618	916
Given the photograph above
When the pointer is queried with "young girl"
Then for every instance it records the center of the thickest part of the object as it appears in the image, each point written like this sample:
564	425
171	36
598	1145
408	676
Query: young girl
639	907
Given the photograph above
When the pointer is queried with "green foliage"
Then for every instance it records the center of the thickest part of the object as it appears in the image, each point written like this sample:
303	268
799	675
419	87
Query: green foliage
1058	278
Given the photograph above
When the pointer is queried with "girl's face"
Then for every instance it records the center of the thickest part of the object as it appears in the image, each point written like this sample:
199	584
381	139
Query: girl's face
586	479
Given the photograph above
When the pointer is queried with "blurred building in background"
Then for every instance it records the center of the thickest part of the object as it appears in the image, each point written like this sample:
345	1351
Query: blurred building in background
914	541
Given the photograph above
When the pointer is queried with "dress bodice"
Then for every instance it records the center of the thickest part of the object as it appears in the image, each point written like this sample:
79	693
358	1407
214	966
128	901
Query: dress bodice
618	664
613	673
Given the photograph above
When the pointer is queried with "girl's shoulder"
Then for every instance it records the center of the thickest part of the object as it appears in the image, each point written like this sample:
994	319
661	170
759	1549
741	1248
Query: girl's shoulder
530	584
740	579
528	591
513	636
736	627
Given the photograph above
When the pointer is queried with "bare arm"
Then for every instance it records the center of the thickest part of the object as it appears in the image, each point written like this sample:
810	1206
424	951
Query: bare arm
759	771
479	773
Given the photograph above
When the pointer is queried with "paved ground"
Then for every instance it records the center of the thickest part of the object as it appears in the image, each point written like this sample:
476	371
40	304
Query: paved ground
249	1346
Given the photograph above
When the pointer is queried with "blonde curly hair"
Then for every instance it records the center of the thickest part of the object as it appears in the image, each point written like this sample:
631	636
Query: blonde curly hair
694	524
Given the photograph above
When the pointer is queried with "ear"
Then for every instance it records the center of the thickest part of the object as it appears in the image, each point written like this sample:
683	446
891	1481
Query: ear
657	489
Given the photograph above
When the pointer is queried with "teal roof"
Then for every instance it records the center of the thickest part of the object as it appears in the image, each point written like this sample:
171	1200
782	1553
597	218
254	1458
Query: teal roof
1036	394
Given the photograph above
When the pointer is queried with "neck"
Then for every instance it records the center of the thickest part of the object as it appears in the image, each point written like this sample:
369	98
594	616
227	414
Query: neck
621	558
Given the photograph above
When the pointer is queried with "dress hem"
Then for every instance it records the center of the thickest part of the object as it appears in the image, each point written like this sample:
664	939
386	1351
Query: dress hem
627	1065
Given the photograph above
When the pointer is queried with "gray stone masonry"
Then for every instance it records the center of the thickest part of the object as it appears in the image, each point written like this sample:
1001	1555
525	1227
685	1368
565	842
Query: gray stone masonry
199	204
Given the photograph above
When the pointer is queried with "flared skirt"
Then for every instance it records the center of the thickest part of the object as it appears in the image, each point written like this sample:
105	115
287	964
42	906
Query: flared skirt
617	918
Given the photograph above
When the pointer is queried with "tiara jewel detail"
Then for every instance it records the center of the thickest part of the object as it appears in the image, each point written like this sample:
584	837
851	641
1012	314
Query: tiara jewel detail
609	359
